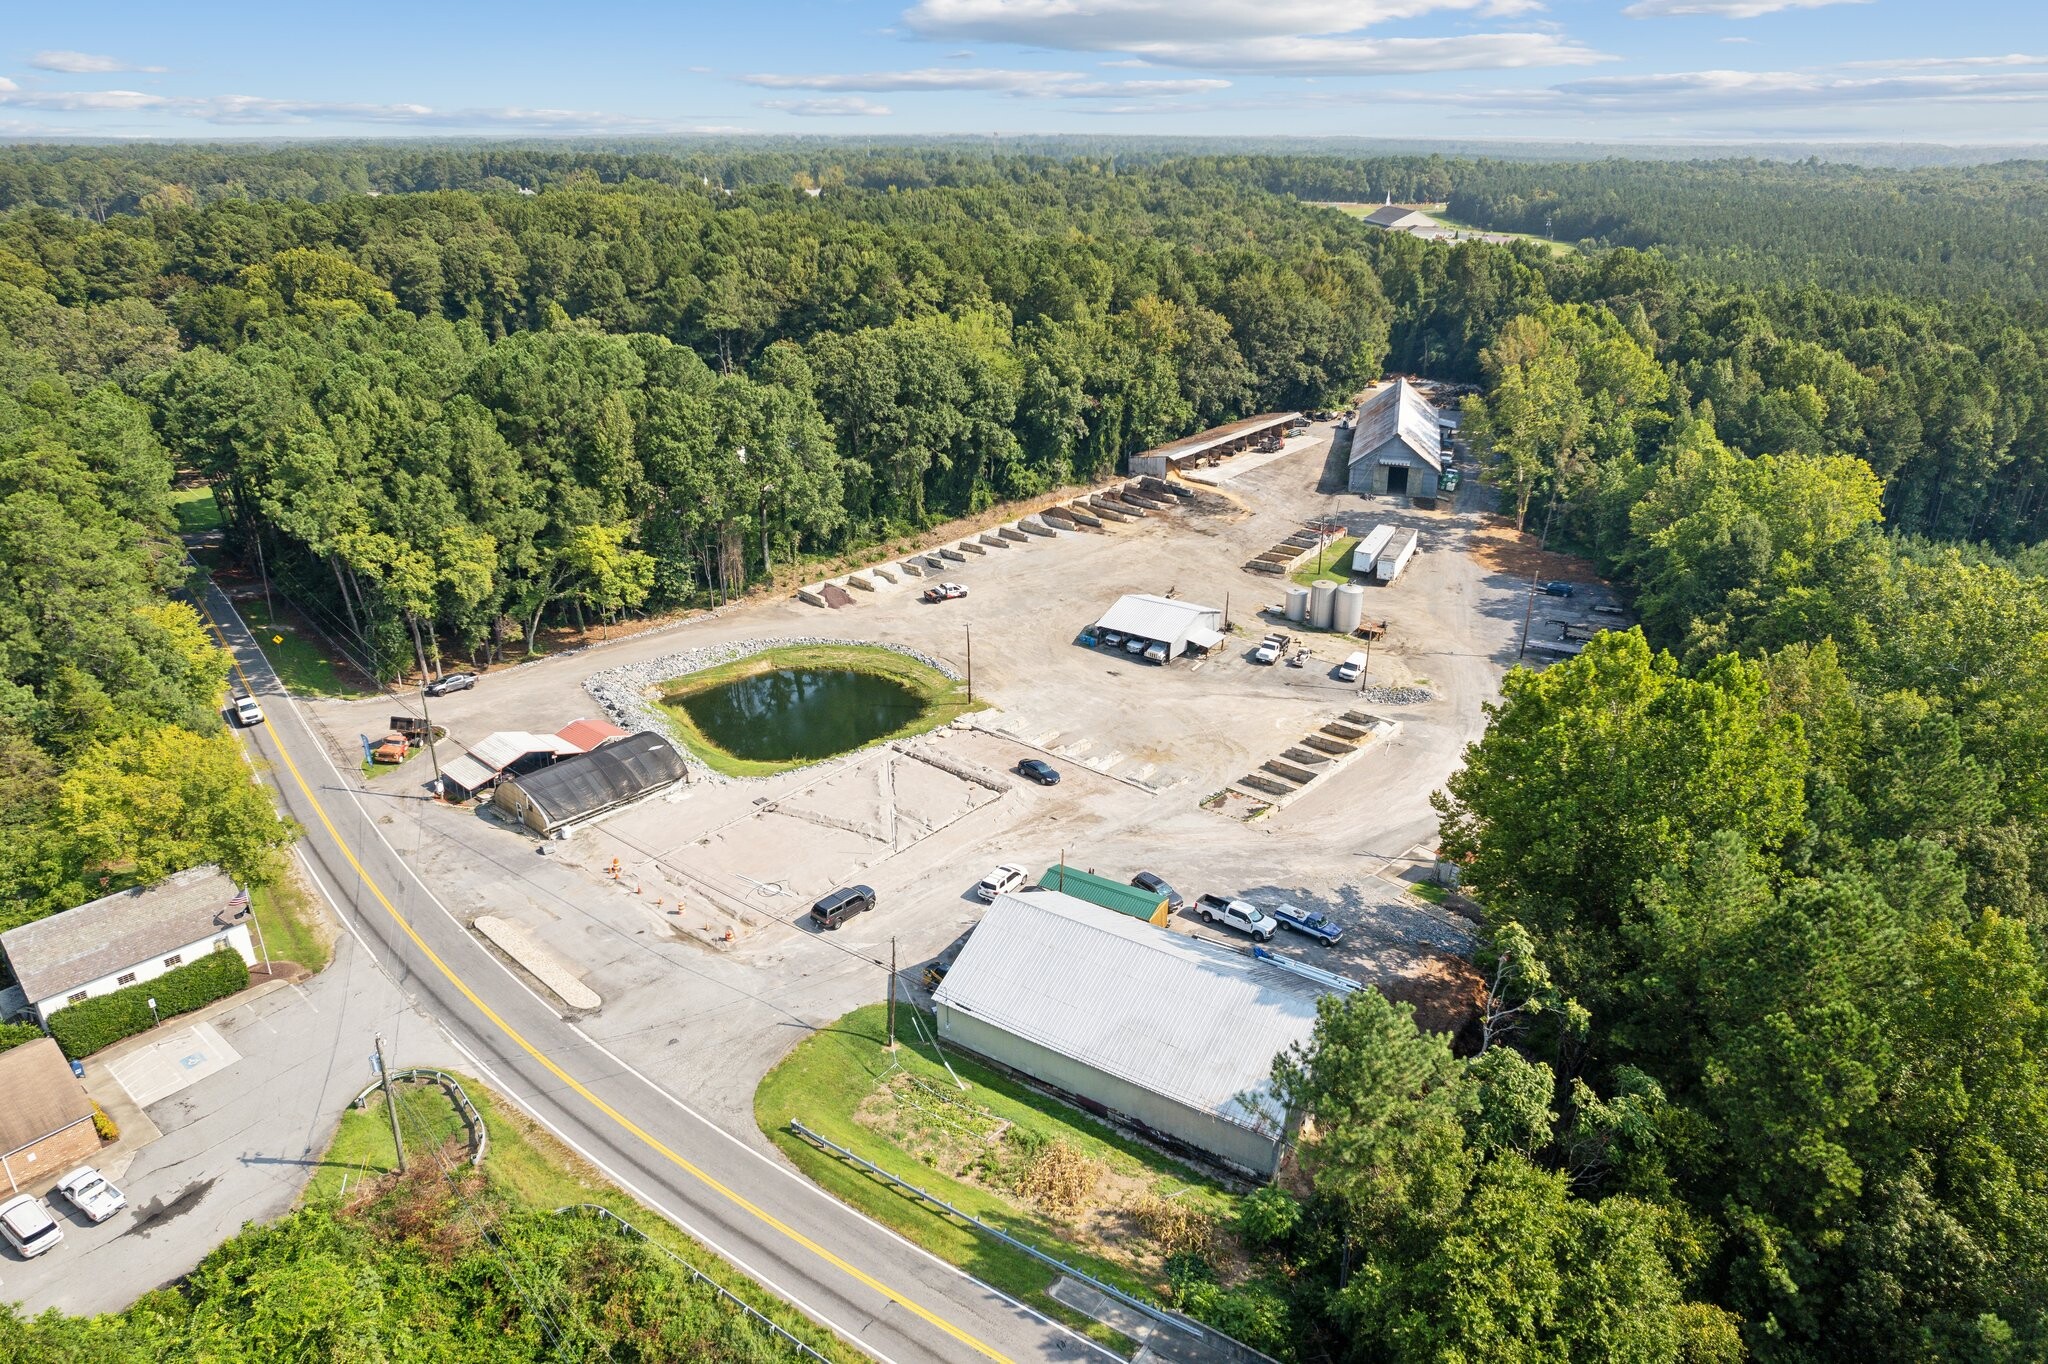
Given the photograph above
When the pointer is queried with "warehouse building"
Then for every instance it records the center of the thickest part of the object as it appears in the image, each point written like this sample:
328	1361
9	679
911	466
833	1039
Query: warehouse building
586	785
1150	906
126	938
1179	625
1169	1033
504	753
46	1126
1393	217
1396	444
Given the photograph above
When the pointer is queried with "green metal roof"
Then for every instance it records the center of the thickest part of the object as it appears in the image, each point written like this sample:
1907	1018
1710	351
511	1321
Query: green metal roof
1100	890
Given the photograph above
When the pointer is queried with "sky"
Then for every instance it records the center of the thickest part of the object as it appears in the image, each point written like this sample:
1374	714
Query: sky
1951	71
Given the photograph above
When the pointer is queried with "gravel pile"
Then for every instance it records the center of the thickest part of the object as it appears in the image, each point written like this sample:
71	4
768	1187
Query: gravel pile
622	691
1389	696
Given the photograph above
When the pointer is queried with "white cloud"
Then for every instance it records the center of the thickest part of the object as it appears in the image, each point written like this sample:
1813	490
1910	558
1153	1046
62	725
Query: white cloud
83	63
1029	84
1107	25
1923	63
256	110
1292	37
1725	9
1748	92
836	106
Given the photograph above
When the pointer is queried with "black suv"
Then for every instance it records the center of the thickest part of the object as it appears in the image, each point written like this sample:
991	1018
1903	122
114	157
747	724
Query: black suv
1145	880
841	905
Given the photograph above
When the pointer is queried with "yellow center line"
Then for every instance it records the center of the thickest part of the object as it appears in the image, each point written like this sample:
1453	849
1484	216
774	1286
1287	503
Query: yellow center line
600	1105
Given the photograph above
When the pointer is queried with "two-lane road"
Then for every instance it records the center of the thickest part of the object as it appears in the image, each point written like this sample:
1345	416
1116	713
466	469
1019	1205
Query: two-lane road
870	1286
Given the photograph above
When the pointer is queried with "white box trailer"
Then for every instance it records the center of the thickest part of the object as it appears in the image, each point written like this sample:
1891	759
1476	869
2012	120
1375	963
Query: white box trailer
1370	546
1396	555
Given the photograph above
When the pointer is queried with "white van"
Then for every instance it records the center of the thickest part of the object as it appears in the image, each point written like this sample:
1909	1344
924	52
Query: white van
1352	668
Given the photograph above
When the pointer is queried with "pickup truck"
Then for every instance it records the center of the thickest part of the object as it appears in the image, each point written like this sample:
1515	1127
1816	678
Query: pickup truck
1241	915
1309	923
1270	648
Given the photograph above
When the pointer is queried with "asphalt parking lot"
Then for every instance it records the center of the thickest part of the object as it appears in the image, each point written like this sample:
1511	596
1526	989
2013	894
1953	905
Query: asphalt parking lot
1140	746
240	1126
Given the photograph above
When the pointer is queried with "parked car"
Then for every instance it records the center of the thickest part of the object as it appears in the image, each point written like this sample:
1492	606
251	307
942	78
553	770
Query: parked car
1145	880
1241	915
1558	589
90	1193
28	1226
1270	648
247	712
1309	923
1450	482
1112	639
1134	645
1155	653
945	592
1002	880
1040	771
392	748
841	905
1352	667
449	683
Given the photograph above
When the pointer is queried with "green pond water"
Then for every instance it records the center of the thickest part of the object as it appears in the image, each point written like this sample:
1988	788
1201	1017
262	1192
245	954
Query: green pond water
801	712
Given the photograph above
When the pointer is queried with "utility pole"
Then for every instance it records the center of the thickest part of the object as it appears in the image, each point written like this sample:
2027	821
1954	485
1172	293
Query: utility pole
390	1103
892	994
269	611
428	720
970	665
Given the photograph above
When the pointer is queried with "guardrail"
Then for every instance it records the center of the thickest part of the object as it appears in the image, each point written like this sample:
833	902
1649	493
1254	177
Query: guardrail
1139	1305
697	1275
472	1121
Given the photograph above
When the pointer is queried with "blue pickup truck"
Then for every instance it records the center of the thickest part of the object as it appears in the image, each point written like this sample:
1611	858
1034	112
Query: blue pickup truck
1309	923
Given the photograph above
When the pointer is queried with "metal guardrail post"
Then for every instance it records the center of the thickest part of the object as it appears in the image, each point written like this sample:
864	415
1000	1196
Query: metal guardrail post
472	1120
697	1275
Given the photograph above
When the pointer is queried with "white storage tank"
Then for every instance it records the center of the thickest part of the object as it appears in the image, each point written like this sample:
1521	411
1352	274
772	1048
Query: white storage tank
1349	611
1322	598
1297	604
1396	555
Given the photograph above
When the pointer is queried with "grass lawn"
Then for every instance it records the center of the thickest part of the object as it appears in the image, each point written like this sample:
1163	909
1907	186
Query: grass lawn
532	1169
943	698
991	1151
293	927
301	657
195	509
1557	248
1336	564
1429	890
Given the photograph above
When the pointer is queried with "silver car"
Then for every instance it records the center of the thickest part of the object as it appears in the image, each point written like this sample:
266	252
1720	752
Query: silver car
28	1226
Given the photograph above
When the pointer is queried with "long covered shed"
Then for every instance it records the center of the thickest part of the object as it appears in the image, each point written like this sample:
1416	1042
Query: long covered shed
1167	1032
588	784
1179	625
1213	444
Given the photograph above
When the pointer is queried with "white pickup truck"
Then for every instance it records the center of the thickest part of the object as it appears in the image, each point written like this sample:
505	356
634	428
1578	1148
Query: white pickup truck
1241	915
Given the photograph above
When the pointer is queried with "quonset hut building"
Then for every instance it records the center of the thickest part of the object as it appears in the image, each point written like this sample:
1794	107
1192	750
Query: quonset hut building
1168	1033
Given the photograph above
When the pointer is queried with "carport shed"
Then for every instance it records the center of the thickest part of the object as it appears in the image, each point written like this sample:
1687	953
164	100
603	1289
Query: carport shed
1213	444
1179	625
1170	1033
588	784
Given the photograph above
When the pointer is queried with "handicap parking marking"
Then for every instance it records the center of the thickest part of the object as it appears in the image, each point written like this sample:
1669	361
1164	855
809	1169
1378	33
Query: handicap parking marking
153	1073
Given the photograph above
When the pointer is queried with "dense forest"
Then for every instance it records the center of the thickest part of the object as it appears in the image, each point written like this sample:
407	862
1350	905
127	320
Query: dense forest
1766	880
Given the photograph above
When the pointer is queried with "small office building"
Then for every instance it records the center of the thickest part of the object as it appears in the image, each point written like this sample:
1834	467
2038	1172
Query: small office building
126	938
1396	444
45	1117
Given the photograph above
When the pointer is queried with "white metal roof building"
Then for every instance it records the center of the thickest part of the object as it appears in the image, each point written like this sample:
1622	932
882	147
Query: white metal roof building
1169	1032
1396	443
505	753
1165	620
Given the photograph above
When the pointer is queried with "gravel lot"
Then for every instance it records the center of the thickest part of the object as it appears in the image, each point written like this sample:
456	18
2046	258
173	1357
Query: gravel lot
1141	747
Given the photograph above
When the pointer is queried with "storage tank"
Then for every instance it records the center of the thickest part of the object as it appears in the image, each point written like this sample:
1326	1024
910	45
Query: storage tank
1349	611
1322	597
1297	604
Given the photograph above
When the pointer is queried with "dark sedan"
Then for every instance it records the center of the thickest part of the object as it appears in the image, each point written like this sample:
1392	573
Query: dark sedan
1145	880
447	683
1040	771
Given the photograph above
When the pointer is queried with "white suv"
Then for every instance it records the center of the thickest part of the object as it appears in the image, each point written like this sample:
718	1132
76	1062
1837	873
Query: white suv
28	1226
1003	879
247	712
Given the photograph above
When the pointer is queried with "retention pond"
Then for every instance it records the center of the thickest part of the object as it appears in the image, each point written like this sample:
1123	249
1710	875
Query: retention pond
801	714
